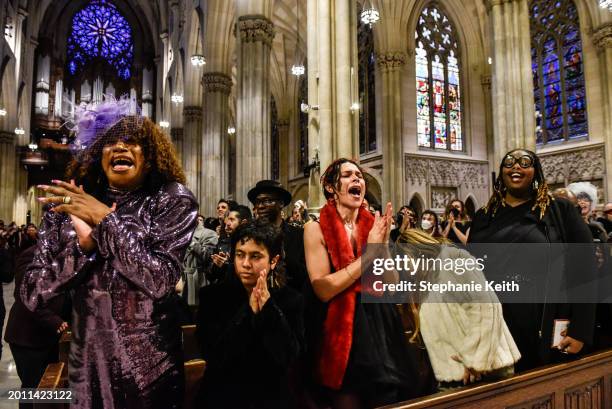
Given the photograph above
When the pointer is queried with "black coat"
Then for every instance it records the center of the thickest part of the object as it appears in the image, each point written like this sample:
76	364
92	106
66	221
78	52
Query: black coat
295	261
531	325
248	355
32	329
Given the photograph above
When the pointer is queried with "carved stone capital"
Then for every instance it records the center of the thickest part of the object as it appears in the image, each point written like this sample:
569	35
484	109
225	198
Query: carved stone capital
217	82
256	28
176	134
391	60
7	137
602	36
192	113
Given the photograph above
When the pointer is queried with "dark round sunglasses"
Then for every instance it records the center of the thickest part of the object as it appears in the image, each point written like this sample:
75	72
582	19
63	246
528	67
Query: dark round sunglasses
524	161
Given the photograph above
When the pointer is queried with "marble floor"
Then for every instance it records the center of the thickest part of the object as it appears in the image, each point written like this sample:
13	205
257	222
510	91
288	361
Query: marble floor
8	373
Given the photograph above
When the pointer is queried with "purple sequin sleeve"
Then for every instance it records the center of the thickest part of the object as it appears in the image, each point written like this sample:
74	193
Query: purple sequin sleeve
151	260
57	263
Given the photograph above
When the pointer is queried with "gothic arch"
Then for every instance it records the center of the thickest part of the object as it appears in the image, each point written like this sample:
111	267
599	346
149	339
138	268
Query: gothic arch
142	16
194	43
300	192
7	90
589	19
417	203
473	65
374	187
471	205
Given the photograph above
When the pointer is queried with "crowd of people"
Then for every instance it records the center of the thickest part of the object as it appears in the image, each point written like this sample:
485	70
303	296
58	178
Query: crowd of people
122	259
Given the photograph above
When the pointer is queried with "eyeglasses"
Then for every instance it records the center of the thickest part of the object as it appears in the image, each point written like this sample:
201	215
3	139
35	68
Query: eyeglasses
524	161
265	202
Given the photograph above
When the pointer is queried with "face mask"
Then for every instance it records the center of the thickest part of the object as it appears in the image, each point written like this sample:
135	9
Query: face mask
426	224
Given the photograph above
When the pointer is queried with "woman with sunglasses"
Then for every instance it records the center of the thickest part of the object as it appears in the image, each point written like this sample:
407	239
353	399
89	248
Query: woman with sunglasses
521	210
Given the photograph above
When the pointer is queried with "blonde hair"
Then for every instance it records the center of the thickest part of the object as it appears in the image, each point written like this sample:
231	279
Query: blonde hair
426	244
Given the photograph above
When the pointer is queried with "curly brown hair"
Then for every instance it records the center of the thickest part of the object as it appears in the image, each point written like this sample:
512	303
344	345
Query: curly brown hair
86	168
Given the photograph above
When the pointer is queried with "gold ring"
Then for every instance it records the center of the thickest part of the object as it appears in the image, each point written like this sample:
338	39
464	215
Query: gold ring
67	200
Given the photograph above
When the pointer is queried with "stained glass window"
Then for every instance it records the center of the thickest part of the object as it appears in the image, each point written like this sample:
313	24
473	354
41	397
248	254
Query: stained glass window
99	30
367	89
437	82
303	123
558	74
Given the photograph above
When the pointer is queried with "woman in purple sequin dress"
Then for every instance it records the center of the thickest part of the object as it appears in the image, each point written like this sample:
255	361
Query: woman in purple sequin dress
114	238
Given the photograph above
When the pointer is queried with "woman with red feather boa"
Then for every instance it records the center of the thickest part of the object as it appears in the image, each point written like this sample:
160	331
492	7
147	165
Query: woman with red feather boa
362	360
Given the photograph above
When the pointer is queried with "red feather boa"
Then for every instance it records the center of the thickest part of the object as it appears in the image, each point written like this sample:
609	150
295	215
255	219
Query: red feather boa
338	325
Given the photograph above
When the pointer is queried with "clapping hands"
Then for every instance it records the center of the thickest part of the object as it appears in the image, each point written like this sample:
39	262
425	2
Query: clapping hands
381	227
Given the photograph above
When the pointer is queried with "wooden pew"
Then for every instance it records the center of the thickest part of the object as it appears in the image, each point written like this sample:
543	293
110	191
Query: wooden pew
52	379
582	384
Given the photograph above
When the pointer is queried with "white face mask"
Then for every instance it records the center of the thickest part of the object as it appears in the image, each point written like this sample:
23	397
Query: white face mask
426	224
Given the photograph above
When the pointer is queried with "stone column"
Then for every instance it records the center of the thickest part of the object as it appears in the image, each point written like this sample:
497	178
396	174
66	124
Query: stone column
331	132
214	183
390	65
191	156
253	148
512	82
8	164
485	81
176	135
283	150
602	37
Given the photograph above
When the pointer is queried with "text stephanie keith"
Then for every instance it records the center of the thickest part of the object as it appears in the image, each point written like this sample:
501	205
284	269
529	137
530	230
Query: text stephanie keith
447	287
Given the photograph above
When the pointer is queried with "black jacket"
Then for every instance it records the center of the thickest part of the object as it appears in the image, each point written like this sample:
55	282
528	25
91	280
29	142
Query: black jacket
532	324
32	329
295	261
248	355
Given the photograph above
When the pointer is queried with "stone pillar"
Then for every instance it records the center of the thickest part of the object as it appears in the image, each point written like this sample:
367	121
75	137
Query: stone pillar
191	156
331	132
283	150
20	209
602	37
390	65
253	148
485	81
512	82
176	135
214	183
8	163
19	38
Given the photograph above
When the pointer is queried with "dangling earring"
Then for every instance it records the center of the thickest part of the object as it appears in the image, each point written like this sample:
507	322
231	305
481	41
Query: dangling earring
536	185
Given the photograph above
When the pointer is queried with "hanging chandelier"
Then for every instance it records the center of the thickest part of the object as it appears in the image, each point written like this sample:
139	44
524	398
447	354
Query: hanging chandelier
197	59
298	68
177	99
370	16
2	112
606	4
164	124
19	131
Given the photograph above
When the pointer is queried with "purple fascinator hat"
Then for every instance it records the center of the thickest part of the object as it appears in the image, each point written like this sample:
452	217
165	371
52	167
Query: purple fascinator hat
93	121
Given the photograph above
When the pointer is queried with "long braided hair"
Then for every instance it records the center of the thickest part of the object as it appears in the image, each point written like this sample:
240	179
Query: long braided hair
539	188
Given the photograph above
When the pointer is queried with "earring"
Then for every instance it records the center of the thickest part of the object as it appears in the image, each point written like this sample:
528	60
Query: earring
536	185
